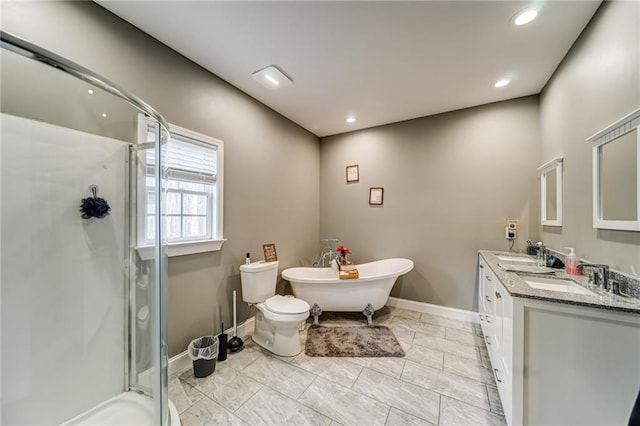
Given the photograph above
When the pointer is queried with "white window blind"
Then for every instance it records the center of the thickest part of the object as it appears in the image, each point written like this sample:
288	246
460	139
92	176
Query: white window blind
189	160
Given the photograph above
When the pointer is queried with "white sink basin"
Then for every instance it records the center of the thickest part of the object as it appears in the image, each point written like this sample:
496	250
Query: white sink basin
516	259
556	284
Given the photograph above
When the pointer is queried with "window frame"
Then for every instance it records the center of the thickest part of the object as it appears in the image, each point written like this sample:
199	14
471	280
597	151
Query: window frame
181	248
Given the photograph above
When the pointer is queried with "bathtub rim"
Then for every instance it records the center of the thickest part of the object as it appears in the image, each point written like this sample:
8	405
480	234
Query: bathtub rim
287	273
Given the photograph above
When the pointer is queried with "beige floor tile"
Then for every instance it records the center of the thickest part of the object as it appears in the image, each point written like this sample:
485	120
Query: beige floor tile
448	322
445	383
226	386
281	376
403	334
485	360
418	327
411	399
457	413
404	313
390	366
448	346
464	337
343	405
423	355
445	378
465	367
182	394
268	407
400	418
336	370
241	360
494	400
206	412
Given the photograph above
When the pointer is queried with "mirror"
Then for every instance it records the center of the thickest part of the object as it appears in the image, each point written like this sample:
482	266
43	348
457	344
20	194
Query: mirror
616	175
551	192
617	166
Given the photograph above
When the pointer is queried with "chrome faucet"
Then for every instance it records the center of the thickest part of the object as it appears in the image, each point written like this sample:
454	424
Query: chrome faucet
326	253
541	256
330	255
603	272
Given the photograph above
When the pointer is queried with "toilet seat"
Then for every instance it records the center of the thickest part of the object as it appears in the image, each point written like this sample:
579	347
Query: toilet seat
286	305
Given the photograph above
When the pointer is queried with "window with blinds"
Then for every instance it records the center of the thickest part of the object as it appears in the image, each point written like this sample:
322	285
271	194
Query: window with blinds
192	203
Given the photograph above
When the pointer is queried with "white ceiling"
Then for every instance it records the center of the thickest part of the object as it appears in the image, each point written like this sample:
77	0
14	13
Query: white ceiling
381	62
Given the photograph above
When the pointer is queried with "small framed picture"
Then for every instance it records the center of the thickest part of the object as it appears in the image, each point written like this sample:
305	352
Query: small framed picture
269	251
353	173
376	196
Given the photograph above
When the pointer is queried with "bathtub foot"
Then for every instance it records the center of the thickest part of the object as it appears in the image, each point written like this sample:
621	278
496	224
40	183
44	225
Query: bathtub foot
316	312
368	311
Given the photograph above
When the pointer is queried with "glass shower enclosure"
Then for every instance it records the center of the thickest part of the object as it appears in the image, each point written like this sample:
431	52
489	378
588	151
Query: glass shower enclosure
83	300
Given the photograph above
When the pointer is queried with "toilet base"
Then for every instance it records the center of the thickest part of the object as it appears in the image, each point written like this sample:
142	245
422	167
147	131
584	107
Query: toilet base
280	338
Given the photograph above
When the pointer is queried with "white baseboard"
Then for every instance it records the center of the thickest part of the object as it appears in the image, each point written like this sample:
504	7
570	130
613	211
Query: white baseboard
179	363
459	314
182	362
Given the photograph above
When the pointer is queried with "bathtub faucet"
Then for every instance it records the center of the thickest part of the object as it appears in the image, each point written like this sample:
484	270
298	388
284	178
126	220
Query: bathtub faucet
327	253
327	259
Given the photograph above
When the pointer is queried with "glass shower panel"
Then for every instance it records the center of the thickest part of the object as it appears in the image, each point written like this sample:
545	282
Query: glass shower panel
66	282
148	351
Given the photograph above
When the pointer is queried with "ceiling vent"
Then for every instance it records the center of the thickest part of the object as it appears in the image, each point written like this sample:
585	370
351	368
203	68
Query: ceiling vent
271	77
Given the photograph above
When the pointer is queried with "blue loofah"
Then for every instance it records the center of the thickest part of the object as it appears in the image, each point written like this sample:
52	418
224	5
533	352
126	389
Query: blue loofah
94	207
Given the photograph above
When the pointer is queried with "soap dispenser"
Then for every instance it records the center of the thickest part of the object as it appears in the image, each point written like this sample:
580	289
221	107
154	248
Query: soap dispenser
571	263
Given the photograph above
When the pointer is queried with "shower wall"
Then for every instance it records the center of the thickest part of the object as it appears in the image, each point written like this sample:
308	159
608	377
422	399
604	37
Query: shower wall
63	277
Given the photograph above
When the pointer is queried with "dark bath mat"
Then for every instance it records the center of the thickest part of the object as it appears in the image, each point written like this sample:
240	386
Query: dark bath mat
376	341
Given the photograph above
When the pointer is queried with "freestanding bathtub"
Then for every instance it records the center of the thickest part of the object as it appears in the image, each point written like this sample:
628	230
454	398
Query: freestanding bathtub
323	290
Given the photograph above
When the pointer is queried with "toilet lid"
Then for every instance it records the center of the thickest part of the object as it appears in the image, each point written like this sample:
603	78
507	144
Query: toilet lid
286	305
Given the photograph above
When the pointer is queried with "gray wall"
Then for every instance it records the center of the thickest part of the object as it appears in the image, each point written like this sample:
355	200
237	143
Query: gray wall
264	152
597	83
449	180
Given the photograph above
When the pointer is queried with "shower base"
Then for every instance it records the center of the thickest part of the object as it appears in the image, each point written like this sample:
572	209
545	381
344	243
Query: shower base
128	408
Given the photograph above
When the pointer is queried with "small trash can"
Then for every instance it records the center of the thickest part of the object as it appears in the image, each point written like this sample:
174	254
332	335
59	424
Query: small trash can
204	353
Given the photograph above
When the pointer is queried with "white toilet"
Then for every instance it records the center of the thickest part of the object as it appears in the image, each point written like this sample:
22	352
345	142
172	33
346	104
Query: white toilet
278	318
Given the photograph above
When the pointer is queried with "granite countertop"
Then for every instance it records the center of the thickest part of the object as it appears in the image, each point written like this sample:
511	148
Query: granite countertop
516	287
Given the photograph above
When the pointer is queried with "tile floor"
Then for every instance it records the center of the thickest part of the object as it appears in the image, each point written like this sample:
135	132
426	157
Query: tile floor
444	379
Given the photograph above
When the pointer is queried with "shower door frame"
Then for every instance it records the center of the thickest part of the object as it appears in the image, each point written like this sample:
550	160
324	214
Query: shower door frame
29	50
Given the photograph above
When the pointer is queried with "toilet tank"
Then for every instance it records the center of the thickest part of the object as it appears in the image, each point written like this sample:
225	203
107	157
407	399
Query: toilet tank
258	281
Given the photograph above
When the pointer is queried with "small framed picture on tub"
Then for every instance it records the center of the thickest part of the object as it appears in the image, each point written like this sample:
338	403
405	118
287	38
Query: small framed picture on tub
353	173
376	196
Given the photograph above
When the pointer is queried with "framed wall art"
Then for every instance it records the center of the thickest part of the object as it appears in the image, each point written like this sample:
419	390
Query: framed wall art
376	196
269	251
353	173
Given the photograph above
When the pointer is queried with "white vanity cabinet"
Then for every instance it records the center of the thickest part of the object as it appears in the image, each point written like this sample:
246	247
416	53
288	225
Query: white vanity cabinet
496	318
557	363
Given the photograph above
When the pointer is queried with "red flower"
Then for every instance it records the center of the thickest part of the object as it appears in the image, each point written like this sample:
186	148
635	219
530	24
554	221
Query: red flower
343	250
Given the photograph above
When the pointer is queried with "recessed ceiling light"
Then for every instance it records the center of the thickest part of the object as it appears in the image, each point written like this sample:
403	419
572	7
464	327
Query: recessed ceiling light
501	83
104	115
525	17
350	120
90	92
271	77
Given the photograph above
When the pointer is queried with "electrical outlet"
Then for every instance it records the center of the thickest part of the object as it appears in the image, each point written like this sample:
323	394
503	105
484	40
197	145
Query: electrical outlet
510	233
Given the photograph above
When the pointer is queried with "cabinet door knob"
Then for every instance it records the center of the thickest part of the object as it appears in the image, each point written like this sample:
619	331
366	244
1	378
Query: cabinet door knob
488	277
488	298
481	266
486	340
481	317
498	295
488	319
495	373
